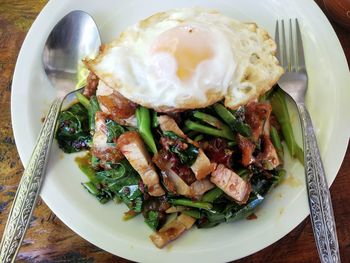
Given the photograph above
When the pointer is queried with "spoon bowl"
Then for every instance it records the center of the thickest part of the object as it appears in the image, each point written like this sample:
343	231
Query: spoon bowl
74	38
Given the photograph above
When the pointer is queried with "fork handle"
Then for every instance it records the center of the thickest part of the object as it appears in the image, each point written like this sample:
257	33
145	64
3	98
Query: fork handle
28	189
321	210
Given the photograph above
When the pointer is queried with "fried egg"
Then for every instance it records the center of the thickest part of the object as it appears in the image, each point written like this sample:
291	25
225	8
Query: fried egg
189	58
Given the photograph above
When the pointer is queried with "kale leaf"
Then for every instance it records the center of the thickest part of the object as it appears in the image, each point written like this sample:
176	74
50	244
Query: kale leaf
73	133
114	130
187	155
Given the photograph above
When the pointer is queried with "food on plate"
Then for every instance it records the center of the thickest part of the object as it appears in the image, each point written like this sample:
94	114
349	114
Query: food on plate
182	121
189	58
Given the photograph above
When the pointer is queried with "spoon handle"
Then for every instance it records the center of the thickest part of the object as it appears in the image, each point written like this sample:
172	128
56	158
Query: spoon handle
321	210
28	189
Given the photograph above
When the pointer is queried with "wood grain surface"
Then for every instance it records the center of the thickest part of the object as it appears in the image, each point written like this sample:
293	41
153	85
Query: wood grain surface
49	240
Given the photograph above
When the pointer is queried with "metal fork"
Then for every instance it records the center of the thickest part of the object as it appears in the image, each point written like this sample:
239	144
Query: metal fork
294	82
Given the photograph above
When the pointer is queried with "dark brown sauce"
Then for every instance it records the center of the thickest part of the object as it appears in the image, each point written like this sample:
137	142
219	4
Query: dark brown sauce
252	217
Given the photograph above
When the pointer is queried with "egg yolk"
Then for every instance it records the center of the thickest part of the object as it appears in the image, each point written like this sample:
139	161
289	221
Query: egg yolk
188	45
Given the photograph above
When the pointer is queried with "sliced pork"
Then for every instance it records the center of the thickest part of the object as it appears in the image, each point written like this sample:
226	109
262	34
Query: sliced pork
233	185
133	148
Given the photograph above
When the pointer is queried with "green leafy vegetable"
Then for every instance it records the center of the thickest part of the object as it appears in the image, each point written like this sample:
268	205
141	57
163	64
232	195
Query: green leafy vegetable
244	211
114	130
279	176
88	171
102	195
187	156
73	133
95	162
113	174
152	219
121	182
223	209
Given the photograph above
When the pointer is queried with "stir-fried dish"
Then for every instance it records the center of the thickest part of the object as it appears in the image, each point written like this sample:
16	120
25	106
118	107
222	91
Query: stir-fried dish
205	166
177	167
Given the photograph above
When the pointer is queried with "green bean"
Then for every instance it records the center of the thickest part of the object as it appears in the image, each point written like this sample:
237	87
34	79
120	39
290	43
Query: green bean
192	213
276	141
83	100
244	173
90	186
212	195
223	133
89	172
94	107
266	96
208	119
232	144
144	127
279	108
232	121
190	203
155	122
299	154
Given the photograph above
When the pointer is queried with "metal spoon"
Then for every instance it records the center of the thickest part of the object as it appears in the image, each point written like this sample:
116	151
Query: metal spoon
74	37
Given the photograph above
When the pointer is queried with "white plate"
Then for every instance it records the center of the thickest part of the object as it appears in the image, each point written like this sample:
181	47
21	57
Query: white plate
328	101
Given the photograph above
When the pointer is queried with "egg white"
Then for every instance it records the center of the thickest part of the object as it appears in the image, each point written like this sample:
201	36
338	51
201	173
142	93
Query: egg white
241	68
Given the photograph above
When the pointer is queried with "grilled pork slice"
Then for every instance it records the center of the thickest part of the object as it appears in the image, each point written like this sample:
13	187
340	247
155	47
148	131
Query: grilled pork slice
247	148
198	188
268	157
233	185
91	85
176	185
106	152
172	230
256	114
172	181
133	148
113	103
202	166
167	123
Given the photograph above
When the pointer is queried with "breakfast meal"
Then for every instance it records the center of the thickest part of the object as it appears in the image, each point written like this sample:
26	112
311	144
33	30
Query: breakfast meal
182	121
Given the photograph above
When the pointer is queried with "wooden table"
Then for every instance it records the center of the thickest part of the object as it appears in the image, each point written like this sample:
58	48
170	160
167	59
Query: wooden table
49	240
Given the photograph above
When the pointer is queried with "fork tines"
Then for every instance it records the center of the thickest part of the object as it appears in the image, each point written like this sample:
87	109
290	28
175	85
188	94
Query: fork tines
296	61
